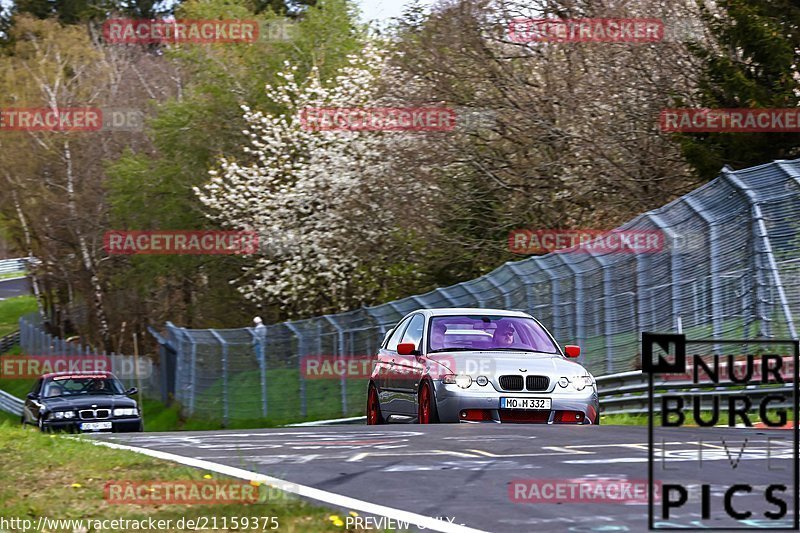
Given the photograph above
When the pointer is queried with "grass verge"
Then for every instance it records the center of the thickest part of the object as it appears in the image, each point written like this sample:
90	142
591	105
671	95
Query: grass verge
60	478
12	309
641	420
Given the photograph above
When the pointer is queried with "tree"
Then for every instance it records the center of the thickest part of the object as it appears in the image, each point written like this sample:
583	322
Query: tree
319	199
153	189
751	63
54	180
570	135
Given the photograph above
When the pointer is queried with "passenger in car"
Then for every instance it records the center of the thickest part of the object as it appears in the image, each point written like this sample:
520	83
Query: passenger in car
437	337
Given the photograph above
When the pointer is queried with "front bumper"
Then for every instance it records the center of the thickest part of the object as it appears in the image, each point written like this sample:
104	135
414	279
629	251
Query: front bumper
451	400
118	425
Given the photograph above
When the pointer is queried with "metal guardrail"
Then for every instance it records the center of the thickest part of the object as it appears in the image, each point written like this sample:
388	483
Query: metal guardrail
11	403
20	264
626	393
9	341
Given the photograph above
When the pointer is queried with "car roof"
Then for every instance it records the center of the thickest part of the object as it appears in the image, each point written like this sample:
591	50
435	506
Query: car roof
477	311
99	373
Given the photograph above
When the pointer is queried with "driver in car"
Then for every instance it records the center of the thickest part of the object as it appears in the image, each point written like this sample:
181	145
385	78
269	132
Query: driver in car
504	336
98	385
53	390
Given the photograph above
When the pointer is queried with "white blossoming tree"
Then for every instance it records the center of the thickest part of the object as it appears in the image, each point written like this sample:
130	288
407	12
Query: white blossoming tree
315	198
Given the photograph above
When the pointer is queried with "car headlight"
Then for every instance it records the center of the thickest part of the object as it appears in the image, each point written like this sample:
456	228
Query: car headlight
126	411
61	415
463	381
577	382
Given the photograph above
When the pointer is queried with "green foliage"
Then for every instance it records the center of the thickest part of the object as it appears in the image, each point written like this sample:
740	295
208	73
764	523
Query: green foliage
752	65
189	133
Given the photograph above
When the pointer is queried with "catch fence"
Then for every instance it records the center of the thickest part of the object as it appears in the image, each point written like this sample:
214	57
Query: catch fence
730	267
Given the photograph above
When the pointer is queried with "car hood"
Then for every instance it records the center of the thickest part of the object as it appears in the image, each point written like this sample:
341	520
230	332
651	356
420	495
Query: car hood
88	401
497	363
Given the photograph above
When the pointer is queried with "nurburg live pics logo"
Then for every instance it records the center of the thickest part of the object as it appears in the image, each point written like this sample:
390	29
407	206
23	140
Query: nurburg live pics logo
748	486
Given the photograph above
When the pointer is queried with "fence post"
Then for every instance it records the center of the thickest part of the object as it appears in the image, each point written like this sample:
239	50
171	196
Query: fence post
714	260
341	355
520	278
300	354
608	308
192	371
500	292
478	301
224	346
577	276
675	265
761	234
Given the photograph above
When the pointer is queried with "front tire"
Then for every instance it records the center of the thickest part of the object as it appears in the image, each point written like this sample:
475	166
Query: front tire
374	416
426	405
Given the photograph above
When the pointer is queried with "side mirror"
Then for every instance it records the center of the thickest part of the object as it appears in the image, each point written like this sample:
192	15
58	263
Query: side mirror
572	351
32	396
131	391
407	348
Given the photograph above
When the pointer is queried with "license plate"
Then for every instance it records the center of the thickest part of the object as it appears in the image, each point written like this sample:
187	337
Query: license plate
525	403
94	426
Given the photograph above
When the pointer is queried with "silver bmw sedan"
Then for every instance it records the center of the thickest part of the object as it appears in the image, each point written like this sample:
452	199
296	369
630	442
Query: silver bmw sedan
478	365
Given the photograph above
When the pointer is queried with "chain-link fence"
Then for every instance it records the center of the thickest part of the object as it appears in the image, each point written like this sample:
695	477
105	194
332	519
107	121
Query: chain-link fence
58	354
729	268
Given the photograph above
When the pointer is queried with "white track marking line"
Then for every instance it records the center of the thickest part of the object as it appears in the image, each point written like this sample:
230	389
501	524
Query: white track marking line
330	498
330	422
362	455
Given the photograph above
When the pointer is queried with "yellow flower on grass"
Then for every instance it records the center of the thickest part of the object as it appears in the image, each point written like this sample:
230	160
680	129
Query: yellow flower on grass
76	485
338	522
255	483
207	476
353	513
333	518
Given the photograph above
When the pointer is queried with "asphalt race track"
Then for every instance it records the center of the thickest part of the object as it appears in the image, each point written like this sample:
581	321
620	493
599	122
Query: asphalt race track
464	472
14	287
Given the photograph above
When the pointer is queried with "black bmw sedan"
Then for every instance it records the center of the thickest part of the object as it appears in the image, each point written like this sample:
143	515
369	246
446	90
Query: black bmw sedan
82	402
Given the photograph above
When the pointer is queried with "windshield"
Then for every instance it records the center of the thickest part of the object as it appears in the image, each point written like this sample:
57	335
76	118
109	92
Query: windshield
488	332
79	385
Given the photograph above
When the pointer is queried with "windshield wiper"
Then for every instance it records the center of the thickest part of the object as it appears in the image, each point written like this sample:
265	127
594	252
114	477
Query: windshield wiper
511	350
454	350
